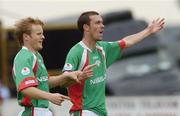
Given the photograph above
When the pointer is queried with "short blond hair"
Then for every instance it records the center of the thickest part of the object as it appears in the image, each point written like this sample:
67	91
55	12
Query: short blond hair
25	26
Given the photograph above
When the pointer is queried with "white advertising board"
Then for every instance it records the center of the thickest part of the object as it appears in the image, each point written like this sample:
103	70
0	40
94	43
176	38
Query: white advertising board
144	106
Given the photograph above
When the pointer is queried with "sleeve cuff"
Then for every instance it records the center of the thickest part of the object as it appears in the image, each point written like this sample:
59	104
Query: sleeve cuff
122	44
27	82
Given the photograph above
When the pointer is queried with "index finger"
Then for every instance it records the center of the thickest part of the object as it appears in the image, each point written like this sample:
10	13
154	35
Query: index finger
91	66
66	97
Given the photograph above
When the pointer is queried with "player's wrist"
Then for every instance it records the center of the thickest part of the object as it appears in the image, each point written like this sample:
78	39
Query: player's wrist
149	30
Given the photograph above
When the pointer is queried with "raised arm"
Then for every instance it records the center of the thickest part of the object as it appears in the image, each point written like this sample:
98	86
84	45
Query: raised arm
153	27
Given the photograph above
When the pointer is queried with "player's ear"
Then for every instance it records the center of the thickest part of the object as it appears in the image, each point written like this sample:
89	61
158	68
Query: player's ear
25	36
86	27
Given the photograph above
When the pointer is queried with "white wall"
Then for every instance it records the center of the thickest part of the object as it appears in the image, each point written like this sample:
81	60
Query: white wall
12	10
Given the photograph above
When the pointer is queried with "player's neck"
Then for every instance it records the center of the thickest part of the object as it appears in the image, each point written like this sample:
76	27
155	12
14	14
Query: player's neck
30	48
89	43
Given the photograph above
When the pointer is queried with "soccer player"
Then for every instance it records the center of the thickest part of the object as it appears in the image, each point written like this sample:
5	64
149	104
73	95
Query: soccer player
30	74
89	97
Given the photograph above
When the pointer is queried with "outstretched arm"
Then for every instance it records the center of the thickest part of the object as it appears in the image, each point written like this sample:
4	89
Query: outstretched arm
68	78
153	27
62	79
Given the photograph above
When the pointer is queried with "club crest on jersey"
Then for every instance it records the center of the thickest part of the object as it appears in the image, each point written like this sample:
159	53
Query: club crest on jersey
25	71
98	62
68	66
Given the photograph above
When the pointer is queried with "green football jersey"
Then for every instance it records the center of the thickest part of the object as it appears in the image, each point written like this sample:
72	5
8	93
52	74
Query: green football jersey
29	71
90	94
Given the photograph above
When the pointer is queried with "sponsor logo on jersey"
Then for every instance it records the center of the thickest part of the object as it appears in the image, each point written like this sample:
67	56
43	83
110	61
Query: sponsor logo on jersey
97	80
25	71
29	82
68	66
43	78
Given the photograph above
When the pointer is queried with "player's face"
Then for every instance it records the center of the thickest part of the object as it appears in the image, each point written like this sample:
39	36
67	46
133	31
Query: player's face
96	27
36	38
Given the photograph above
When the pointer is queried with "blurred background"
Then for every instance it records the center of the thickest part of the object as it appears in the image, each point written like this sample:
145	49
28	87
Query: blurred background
144	82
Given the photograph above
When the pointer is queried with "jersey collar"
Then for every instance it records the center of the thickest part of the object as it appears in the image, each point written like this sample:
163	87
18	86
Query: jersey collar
23	47
84	46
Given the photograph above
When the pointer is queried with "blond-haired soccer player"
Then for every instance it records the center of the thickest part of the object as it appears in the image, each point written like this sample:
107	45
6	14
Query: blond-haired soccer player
30	74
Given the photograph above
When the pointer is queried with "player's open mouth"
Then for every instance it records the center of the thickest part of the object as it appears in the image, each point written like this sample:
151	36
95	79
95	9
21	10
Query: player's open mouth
101	32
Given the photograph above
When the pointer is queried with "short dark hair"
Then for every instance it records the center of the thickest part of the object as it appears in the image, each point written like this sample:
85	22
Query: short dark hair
84	19
24	26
